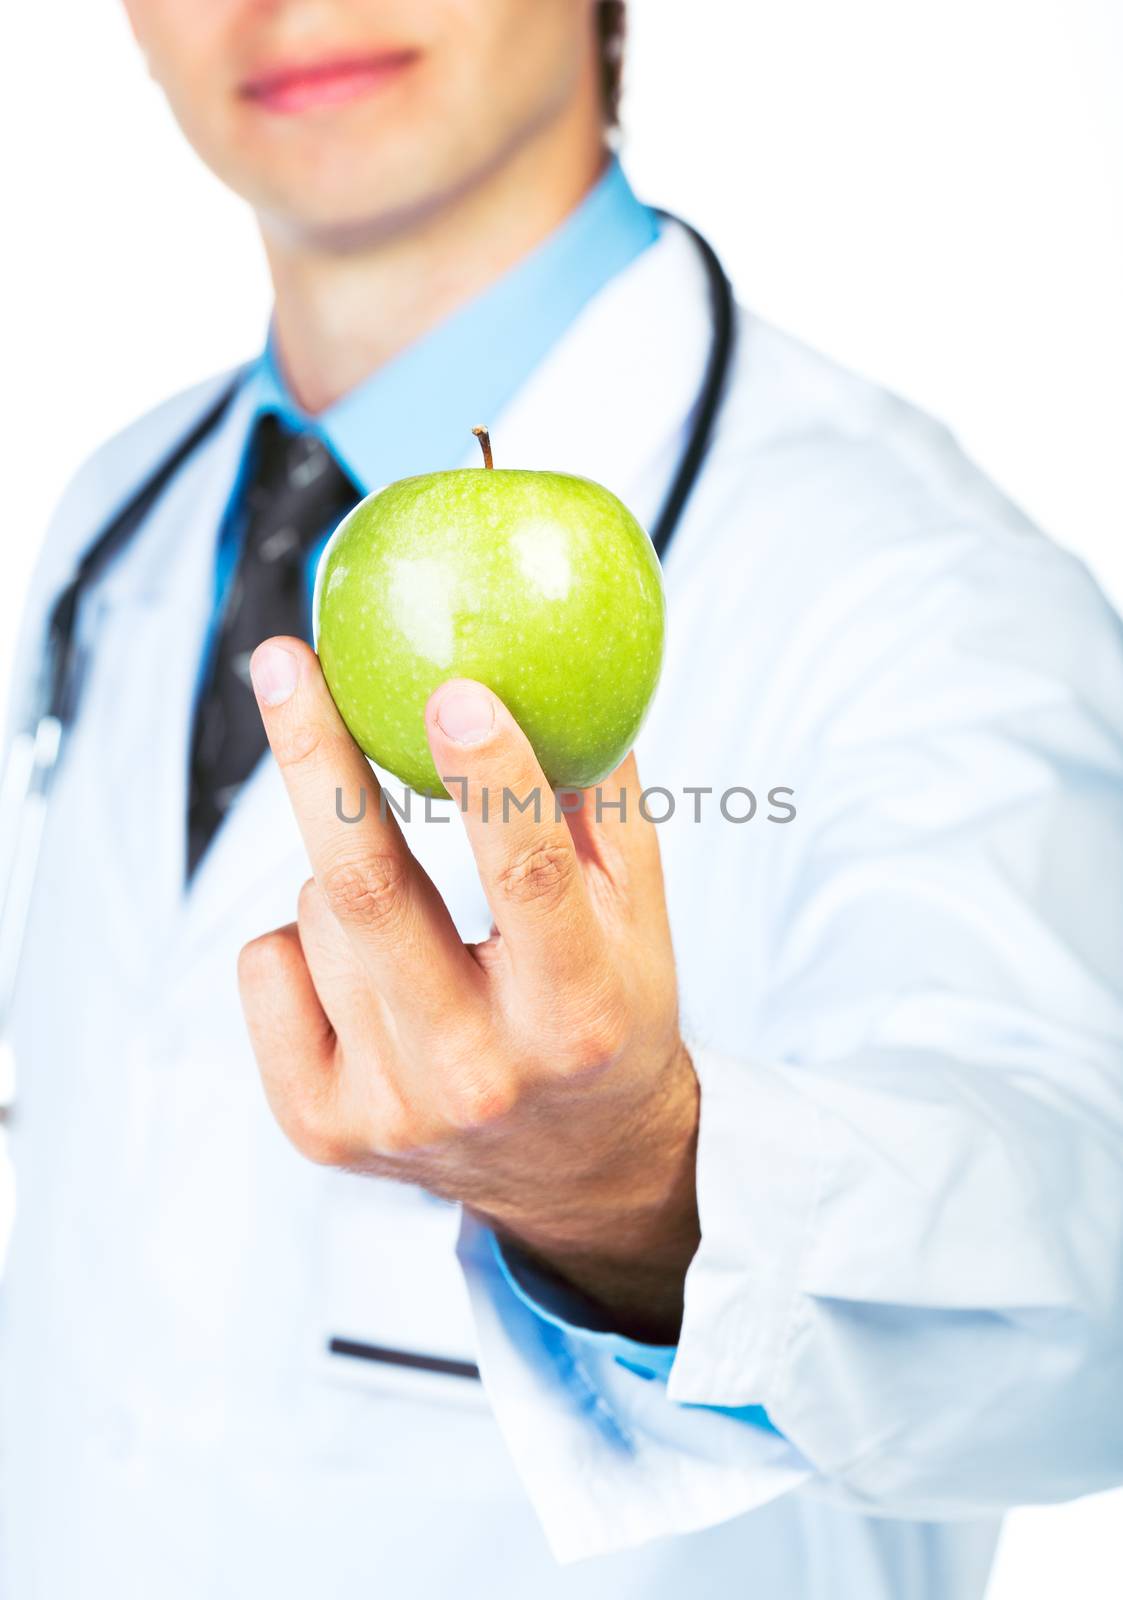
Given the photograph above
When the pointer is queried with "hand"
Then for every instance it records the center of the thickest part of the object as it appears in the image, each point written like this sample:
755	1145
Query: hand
538	1077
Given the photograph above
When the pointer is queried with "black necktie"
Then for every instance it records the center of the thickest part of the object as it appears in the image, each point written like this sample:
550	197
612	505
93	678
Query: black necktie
295	493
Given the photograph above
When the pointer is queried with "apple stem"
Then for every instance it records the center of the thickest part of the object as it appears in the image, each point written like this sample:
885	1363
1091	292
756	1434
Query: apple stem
485	445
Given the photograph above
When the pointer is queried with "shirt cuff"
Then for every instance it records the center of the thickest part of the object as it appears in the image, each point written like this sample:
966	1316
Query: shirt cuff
579	1318
563	1307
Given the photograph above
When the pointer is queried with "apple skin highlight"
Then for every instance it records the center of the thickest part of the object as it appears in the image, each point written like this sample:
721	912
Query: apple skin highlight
541	585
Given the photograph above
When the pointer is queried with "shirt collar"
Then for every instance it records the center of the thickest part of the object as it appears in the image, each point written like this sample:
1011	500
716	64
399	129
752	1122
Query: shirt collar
416	413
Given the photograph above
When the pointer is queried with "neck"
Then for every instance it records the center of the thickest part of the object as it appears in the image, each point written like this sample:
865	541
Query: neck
345	308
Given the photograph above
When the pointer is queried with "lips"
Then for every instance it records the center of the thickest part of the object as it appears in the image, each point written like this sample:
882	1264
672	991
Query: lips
311	85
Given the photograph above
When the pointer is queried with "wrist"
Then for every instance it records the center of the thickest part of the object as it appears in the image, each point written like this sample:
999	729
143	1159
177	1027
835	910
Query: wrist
625	1235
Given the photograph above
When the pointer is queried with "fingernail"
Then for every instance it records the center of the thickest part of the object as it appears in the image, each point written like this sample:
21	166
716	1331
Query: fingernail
466	714
273	670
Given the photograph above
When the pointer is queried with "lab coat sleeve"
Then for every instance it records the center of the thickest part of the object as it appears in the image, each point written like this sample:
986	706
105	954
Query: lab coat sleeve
910	1167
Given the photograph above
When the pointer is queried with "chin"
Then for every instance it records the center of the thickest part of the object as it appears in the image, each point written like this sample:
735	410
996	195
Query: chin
347	216
339	227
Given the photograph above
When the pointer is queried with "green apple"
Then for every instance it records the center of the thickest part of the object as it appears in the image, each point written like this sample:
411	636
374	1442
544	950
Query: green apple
539	584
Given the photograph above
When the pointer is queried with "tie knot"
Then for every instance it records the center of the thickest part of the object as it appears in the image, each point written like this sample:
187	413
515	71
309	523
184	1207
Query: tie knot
306	459
284	457
297	489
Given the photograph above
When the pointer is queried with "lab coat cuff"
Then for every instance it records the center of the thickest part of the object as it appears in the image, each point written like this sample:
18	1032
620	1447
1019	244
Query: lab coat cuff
759	1173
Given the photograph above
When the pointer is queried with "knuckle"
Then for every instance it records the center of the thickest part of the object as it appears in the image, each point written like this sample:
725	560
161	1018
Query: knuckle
365	893
397	1139
597	1044
256	962
537	876
314	1134
479	1101
298	744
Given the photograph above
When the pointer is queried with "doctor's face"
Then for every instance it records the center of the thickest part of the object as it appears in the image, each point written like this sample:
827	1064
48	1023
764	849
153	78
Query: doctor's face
336	118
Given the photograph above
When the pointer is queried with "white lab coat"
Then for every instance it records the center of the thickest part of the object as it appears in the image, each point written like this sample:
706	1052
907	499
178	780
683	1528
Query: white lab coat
904	1008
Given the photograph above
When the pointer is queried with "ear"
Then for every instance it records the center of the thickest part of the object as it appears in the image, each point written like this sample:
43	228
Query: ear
609	20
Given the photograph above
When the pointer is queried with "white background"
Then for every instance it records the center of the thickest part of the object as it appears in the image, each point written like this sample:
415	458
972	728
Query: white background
931	190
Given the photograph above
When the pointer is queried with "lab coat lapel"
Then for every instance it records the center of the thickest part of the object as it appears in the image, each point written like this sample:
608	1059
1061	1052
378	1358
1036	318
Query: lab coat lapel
151	623
610	403
611	400
258	840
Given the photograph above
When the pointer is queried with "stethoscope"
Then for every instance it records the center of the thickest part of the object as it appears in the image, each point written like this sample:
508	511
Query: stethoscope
35	751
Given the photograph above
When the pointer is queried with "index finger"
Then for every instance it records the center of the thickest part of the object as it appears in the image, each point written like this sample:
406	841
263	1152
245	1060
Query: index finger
369	878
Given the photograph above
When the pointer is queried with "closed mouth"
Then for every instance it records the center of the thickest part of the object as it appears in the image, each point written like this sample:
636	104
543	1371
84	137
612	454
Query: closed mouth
312	85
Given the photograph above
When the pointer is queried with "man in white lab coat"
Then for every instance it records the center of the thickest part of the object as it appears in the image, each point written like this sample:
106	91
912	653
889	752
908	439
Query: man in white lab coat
780	1263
